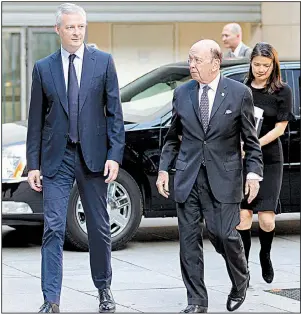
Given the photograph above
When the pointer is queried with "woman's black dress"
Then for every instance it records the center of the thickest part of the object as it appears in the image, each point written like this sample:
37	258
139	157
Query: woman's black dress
277	107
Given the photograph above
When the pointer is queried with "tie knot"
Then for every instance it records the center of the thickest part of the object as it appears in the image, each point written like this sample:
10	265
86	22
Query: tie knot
206	88
72	57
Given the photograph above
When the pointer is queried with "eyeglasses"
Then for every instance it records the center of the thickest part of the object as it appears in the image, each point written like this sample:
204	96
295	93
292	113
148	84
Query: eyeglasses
197	60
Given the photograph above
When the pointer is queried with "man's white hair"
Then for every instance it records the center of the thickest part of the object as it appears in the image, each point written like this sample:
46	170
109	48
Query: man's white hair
68	8
235	28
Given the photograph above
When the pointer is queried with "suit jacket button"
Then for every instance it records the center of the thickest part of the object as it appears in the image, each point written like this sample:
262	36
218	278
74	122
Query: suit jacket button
205	143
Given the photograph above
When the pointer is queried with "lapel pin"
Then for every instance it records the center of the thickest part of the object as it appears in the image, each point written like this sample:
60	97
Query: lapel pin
223	94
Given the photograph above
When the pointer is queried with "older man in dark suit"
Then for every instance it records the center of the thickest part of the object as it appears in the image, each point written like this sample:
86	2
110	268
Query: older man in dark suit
75	132
211	114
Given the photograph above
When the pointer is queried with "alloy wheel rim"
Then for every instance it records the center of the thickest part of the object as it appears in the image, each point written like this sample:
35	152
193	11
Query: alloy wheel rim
119	209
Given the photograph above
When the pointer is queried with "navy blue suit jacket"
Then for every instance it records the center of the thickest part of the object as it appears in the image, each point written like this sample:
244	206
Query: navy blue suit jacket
101	127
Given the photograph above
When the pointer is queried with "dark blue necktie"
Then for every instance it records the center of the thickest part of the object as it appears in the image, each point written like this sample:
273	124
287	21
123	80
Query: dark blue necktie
73	92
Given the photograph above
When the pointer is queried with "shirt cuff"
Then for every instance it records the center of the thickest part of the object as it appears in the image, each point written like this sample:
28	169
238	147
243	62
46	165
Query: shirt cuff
163	171
254	176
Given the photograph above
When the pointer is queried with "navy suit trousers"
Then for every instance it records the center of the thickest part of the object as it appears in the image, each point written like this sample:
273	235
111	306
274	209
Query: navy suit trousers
93	193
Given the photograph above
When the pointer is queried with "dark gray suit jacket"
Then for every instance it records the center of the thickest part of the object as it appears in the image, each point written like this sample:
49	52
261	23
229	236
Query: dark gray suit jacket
232	120
244	51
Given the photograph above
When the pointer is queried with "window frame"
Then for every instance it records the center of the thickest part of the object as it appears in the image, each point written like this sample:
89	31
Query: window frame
295	88
22	32
30	63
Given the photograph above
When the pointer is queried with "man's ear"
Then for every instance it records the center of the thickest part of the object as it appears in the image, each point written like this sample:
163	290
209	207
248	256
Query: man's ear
216	64
56	28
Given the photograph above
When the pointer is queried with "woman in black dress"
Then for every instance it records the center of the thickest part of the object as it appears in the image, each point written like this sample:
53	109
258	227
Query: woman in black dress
275	98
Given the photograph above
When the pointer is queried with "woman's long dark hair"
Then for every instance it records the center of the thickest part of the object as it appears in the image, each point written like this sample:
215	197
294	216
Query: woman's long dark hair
274	81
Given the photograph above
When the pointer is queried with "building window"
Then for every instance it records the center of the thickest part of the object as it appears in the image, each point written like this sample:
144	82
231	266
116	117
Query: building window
41	43
12	83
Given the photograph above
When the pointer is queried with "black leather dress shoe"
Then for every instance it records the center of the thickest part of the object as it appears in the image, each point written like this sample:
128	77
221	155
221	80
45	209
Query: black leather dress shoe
106	301
195	309
266	267
236	297
48	307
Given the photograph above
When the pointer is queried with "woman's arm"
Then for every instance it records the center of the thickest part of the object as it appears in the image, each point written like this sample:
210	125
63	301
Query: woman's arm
274	133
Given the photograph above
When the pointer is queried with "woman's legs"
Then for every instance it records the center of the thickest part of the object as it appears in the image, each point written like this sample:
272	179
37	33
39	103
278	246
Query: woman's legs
244	229
266	234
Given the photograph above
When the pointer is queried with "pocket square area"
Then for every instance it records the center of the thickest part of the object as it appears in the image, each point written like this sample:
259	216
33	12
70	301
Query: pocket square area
228	112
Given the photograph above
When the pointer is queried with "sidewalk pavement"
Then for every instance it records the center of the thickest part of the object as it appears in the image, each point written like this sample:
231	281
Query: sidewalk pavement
147	278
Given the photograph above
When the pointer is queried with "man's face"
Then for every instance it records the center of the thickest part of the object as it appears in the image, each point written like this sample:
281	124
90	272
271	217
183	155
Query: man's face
72	31
229	39
201	65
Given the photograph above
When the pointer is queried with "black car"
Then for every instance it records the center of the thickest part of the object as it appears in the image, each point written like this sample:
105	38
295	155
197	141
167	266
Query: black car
147	115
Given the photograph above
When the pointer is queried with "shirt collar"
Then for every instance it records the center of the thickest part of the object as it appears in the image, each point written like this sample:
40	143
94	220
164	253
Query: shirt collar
79	53
213	85
237	49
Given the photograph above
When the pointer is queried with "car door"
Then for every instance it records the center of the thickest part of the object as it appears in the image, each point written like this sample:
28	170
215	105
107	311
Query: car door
293	79
239	75
169	204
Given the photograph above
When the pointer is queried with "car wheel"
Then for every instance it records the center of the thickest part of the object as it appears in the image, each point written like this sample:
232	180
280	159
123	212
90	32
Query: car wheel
125	210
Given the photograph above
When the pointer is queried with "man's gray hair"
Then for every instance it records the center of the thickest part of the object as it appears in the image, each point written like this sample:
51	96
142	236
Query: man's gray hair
236	28
68	8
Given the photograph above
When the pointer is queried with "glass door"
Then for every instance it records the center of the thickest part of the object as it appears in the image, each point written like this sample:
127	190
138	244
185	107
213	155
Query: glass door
13	75
41	43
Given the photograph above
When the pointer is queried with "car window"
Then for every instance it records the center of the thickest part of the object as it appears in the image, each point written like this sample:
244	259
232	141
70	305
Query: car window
283	75
150	96
293	80
158	88
240	77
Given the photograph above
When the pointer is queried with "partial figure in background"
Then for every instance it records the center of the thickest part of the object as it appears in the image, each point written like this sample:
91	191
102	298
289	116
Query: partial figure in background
232	39
275	98
75	132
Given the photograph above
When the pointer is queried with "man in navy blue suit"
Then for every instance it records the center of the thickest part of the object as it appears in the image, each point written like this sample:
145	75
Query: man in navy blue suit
75	132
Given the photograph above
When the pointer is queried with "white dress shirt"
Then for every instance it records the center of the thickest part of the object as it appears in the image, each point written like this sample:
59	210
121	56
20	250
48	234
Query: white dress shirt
211	91
237	50
78	63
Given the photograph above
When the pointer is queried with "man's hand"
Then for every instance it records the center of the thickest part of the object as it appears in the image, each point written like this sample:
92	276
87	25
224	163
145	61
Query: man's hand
34	180
251	188
111	168
162	183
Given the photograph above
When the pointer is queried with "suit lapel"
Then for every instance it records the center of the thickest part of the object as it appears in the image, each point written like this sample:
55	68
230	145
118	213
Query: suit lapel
194	97
57	72
86	77
220	95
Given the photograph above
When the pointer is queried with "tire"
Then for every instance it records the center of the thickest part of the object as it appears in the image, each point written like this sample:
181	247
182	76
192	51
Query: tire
75	237
126	187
